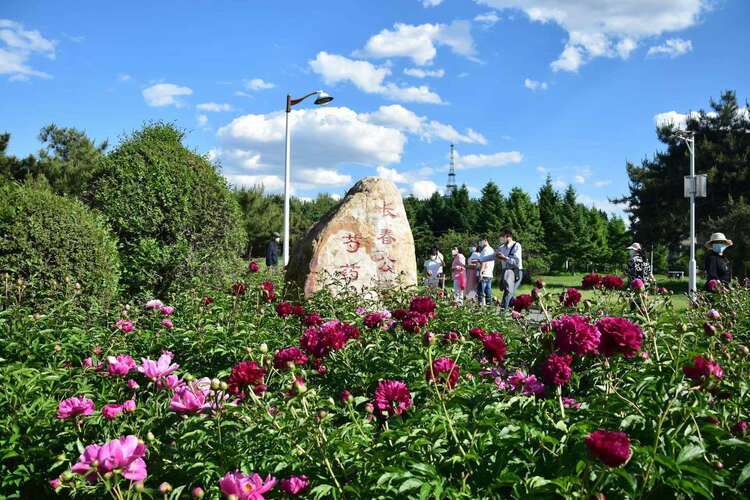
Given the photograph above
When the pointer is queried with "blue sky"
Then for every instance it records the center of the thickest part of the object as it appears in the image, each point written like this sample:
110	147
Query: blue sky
524	88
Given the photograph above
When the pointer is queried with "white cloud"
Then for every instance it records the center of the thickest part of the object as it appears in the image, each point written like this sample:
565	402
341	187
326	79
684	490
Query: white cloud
165	94
271	183
541	169
674	47
601	184
418	41
431	3
258	84
18	46
601	204
579	179
488	160
367	77
124	77
202	120
606	28
488	18
679	120
559	184
534	85
424	73
409	178
392	175
424	189
322	177
401	118
214	107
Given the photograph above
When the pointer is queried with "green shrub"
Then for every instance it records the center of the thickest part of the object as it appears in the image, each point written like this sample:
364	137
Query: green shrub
172	211
49	243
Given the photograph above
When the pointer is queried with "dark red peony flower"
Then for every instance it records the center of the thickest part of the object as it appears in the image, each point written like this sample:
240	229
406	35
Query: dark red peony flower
539	283
413	321
246	374
298	310
253	267
287	355
612	282
556	369
713	285
619	336
523	302
400	314
570	297
351	331
494	347
591	280
575	334
612	448
451	337
392	397
424	305
445	371
284	309
313	319
709	329
702	369
330	336
239	288
477	333
374	319
267	291
740	428
207	300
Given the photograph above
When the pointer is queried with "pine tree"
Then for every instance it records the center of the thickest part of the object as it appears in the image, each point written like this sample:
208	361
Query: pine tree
492	210
551	216
523	219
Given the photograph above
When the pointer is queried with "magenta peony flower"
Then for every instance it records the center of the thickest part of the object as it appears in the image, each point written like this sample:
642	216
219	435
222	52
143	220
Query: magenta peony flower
267	291
158	369
284	309
445	371
72	407
571	403
313	319
740	428
192	398
110	411
376	319
167	323
662	290
727	336
532	386
494	347
612	448
238	288
87	362
133	385
246	374
523	302
198	492
284	357
346	396
129	406
392	397
154	304
574	334
294	485
124	454
619	336
539	283
124	325
413	321
591	280
451	337
570	297
207	300
477	333
55	483
709	329
713	314
120	365
167	310
253	267
702	369
246	486
556	369
713	285
423	305
612	282
637	284
170	382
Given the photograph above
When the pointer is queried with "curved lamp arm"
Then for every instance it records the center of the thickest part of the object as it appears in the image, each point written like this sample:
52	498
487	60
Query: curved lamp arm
291	102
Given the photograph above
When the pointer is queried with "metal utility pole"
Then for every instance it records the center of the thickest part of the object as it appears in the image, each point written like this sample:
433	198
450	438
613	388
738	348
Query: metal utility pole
451	187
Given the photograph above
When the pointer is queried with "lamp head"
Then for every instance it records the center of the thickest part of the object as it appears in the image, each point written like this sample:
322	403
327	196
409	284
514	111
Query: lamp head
323	98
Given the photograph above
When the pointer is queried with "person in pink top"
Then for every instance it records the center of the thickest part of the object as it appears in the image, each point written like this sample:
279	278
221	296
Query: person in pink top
459	275
472	273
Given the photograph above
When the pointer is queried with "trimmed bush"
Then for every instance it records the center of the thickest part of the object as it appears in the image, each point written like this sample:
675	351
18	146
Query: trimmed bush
172	211
50	243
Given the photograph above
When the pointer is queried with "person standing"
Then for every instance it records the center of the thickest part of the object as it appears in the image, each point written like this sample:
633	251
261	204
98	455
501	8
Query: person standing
472	282
715	263
486	273
638	265
272	251
510	253
458	267
433	268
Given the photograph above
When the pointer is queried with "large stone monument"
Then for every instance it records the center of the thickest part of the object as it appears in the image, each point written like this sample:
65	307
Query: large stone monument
364	242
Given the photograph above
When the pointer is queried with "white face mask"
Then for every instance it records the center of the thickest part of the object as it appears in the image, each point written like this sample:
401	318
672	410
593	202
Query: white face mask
633	253
454	252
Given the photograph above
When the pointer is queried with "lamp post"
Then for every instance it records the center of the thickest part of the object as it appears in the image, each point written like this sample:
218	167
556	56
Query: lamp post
321	100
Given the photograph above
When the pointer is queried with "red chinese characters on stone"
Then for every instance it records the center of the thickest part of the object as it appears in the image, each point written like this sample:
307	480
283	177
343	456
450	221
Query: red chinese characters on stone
350	271
385	263
386	236
387	210
352	242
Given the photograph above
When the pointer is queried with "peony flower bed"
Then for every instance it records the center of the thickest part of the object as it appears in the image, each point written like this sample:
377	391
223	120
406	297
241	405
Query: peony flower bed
245	393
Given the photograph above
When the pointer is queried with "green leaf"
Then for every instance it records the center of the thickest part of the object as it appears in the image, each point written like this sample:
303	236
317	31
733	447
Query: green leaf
410	484
690	452
744	475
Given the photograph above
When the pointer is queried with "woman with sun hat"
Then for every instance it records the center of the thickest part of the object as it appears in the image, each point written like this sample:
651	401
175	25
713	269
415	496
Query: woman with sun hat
715	263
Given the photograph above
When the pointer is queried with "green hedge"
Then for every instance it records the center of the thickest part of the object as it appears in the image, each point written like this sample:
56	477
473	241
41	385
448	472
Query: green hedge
49	243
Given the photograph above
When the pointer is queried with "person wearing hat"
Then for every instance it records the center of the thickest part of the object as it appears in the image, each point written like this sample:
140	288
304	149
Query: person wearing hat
715	263
272	251
638	266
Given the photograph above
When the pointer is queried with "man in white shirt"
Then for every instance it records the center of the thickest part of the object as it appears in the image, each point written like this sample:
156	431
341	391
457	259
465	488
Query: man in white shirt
433	268
511	255
486	273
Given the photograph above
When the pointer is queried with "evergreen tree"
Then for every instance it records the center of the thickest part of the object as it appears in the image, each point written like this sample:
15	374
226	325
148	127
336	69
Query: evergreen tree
551	216
523	219
491	210
618	240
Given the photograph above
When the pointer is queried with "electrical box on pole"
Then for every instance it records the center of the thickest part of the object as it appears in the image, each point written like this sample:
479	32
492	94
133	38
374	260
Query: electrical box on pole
695	185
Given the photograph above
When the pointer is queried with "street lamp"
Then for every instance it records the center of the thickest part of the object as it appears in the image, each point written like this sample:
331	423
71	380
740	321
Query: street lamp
321	100
695	186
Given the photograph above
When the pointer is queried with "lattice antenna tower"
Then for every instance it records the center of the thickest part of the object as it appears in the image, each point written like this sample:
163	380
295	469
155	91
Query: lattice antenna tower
451	187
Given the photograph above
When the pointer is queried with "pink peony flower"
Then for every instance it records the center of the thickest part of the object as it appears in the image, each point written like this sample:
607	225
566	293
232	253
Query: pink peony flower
246	486
740	428
702	369
713	314
312	319
392	397
522	302
125	454
533	386
192	398
574	334
713	285
612	448
591	280
346	396
72	407
612	282
253	267
451	337
494	347
443	370
662	290
87	362
170	382
167	310
120	365
284	357
124	325
516	315
110	411
55	483
154	304
158	369
619	336
556	369
477	333
133	385
570	297
239	288
727	336
637	284
294	485
167	323
129	406
376	319
571	403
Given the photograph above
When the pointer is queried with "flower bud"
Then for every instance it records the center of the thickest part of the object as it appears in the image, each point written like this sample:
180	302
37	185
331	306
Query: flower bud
264	348
713	314
198	492
150	437
139	487
428	338
215	384
709	329
67	475
165	488
744	349
322	414
346	396
224	386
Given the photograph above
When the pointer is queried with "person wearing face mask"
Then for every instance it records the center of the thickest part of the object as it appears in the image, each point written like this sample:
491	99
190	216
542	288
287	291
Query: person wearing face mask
433	268
272	251
459	275
472	282
715	263
510	254
638	266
